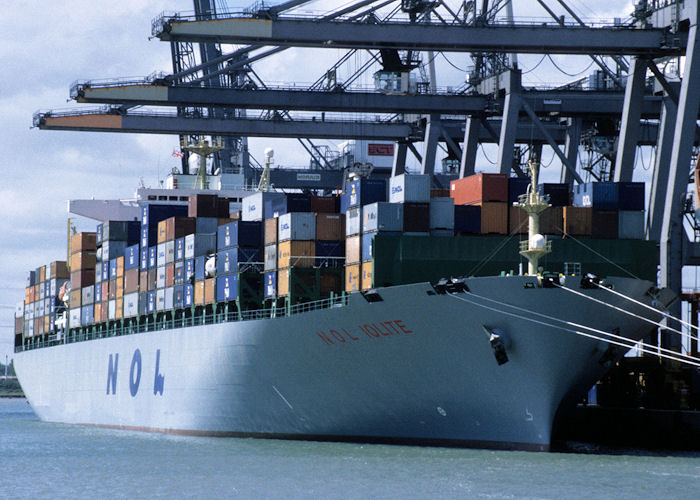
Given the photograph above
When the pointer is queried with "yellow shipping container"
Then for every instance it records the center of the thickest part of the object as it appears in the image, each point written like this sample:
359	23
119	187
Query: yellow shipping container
199	293
352	278
296	253
367	282
118	314
162	231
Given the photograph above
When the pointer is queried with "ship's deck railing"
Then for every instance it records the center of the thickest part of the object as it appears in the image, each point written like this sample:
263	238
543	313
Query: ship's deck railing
178	319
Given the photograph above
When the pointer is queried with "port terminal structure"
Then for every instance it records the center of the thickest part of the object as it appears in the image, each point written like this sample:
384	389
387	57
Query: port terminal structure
632	102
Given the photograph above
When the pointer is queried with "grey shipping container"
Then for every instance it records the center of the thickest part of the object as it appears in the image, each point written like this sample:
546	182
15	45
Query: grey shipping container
382	216
160	261
88	295
131	304
631	224
197	245
271	257
409	188
298	226
206	225
254	205
169	251
442	213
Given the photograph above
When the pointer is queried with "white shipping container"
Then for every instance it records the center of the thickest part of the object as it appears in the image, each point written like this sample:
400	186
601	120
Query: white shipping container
631	224
74	317
112	310
160	300
160	259
409	188
353	221
160	277
169	293
98	274
29	328
271	257
39	311
382	216
199	244
131	304
19	309
169	251
298	226
442	213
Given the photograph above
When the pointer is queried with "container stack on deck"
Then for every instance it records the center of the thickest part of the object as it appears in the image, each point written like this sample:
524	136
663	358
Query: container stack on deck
292	248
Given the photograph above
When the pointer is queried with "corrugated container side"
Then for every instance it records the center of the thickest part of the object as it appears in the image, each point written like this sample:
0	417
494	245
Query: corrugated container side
552	221
203	205
169	298
83	260
598	195
131	305
160	299
353	221
631	224
494	218
160	277
353	249
353	281
83	241
188	300
517	220
169	274
131	280
112	249
75	298
228	260
209	291
297	226
382	216
325	204
59	269
180	249
330	253
604	224
199	293
153	279
409	188
577	220
132	257
152	214
271	230
87	315
143	303
178	227
240	233
126	231
254	206
206	225
143	259
330	226
120	266
197	245
226	287
169	251
295	253
81	278
189	270
442	213
479	188
87	295
367	246
416	217
151	298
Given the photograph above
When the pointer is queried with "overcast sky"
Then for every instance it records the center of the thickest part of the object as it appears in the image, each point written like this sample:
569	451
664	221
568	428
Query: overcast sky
46	45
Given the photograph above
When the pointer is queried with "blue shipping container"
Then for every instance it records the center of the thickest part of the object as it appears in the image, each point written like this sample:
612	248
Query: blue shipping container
227	287
151	215
467	219
631	195
98	234
105	271
240	233
189	295
516	187
179	278
227	260
131	257
151	300
87	315
179	296
152	257
271	285
367	246
558	194
98	293
365	191
143	259
598	195
189	270
145	237
113	269
291	202
200	267
180	249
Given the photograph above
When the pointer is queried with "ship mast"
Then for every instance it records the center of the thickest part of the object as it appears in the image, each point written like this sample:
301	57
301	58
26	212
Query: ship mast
533	203
203	149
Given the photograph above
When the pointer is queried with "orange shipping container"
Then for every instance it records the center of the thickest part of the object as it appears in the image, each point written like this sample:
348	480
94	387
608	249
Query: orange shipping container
42	274
577	220
76	297
83	260
120	266
494	218
517	220
104	313
105	290
98	312
479	188
199	293
367	281
209	291
162	231
283	282
120	308
83	241
271	231
353	249
551	221
352	278
81	278
169	274
296	253
330	227
178	227
120	287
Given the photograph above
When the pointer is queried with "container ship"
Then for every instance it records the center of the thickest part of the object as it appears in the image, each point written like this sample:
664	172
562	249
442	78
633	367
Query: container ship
390	312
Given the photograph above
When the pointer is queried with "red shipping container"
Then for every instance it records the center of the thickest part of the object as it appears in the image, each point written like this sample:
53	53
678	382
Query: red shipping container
494	218
169	274
325	204
82	278
416	217
480	187
179	227
604	224
203	205
131	280
330	227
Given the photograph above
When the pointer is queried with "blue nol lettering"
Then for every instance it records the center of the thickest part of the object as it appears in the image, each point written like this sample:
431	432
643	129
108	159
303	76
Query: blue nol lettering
135	378
159	379
112	373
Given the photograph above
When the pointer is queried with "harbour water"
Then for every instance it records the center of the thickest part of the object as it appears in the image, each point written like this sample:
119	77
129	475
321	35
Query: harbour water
42	460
